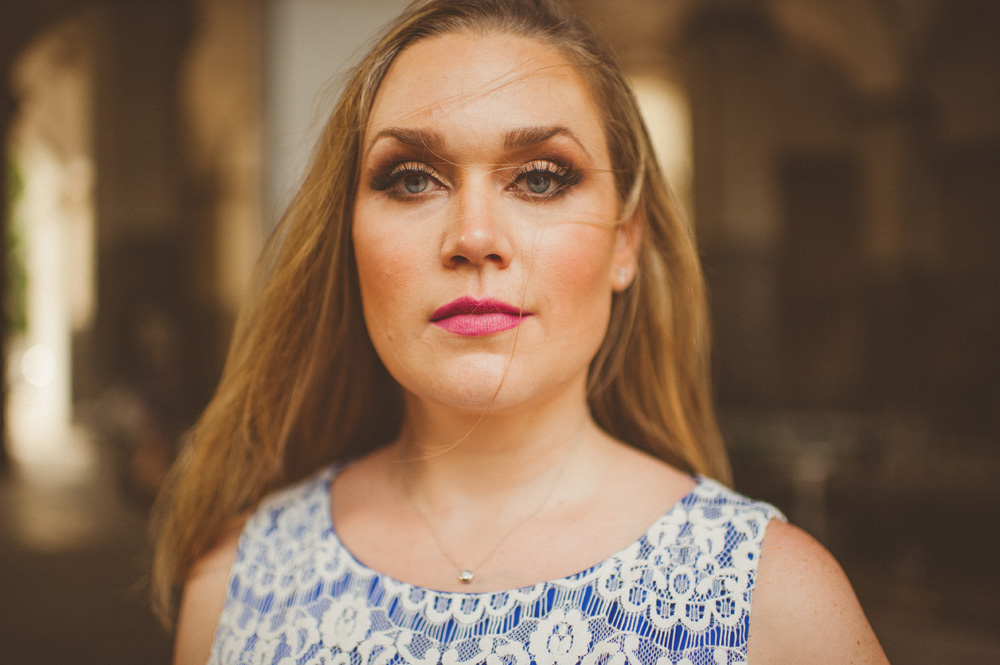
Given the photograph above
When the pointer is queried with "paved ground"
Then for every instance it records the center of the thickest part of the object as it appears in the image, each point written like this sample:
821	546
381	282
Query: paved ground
73	558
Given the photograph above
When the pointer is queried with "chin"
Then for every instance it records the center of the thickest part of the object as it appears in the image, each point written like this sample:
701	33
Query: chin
517	391
475	388
471	385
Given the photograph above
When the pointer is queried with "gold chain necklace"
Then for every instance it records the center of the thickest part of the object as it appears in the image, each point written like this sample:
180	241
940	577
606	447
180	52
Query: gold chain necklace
466	573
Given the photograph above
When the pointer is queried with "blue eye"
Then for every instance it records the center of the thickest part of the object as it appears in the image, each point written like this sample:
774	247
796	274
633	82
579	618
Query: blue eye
415	182
406	179
538	182
544	178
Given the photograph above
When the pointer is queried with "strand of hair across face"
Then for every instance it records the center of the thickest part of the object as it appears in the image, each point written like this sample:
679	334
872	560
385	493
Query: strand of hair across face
503	377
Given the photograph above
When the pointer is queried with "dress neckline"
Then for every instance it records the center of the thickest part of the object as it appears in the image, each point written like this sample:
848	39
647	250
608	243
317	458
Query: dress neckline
626	553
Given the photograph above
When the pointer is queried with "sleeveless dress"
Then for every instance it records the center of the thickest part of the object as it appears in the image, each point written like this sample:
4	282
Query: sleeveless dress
680	595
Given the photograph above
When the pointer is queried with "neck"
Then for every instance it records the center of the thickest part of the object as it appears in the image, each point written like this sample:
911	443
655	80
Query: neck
475	480
484	457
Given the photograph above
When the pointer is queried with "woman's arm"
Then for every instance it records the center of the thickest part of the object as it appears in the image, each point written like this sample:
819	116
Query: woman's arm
804	609
204	597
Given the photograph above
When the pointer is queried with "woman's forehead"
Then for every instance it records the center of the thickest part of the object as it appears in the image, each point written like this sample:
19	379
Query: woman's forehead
476	85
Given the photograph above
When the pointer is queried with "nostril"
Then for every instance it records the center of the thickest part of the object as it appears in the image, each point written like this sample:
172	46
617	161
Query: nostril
494	257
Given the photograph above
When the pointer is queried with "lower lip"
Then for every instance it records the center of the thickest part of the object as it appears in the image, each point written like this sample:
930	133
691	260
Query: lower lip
477	325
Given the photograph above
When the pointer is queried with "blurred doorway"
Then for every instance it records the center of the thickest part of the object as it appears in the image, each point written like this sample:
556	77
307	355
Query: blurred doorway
50	245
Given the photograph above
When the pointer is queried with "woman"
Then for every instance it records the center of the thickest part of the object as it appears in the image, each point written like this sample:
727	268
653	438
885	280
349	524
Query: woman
481	342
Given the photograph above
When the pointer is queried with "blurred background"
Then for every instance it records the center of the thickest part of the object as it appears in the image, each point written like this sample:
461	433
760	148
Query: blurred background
841	164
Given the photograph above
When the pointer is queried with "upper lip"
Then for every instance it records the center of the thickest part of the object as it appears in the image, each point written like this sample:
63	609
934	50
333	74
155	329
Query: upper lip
469	305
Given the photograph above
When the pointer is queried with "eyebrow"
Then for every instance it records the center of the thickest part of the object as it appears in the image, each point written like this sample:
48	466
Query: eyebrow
425	139
515	139
525	137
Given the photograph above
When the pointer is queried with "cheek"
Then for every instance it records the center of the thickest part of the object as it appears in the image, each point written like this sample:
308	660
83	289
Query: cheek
578	267
384	272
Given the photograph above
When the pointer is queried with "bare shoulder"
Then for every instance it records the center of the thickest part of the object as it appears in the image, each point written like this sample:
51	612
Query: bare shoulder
642	475
804	609
204	597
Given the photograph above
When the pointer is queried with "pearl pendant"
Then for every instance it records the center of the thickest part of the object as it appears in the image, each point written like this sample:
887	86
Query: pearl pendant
465	577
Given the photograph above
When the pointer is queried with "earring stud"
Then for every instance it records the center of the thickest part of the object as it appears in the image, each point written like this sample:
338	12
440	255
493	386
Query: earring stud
622	274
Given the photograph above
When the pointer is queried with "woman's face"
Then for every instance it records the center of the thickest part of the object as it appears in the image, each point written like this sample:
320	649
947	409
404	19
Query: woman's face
487	214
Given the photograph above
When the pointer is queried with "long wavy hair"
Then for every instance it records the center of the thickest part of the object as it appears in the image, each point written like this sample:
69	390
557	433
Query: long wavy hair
303	387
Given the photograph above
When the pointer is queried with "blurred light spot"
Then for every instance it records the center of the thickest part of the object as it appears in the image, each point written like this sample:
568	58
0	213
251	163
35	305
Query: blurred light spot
39	365
667	113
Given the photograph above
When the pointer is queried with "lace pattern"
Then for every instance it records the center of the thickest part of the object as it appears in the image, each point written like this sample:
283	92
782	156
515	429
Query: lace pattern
680	595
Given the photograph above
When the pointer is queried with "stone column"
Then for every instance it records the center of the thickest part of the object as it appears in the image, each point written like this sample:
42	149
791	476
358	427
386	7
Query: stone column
727	56
900	242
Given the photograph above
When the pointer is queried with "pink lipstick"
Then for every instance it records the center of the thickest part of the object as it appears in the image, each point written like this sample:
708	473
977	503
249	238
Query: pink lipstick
472	318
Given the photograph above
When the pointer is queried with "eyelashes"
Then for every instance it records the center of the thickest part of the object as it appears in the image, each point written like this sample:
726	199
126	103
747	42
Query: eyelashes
545	178
404	177
537	179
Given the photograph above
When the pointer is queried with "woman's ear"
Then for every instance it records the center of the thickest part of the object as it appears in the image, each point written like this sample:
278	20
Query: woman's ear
625	261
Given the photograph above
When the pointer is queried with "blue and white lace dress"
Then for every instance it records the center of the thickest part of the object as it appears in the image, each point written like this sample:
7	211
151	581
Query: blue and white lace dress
680	595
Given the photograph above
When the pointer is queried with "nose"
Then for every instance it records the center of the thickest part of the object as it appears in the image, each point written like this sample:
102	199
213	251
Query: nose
477	234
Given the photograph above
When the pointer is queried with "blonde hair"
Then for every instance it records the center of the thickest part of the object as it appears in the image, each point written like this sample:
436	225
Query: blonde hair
303	386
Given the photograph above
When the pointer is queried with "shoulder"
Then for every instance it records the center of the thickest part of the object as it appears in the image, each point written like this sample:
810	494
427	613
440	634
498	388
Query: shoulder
288	519
729	524
205	596
804	609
